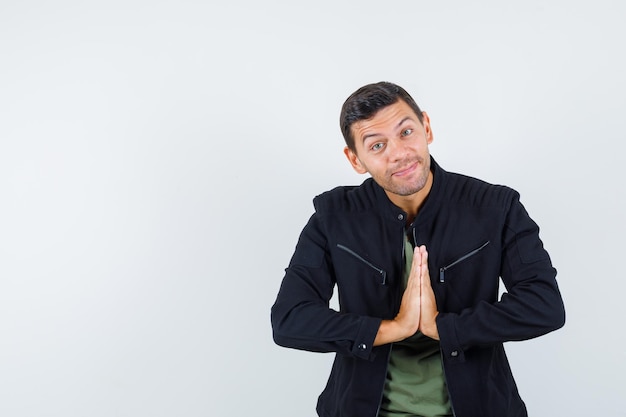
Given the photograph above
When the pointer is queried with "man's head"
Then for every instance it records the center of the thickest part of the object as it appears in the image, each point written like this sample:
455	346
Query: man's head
365	102
388	136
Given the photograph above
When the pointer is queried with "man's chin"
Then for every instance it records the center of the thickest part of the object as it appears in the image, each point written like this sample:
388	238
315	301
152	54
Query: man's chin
405	190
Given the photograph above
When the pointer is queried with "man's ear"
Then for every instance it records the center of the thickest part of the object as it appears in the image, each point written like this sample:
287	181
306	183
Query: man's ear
354	160
427	130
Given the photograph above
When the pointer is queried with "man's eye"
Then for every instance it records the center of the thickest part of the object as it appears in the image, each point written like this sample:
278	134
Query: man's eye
377	146
407	132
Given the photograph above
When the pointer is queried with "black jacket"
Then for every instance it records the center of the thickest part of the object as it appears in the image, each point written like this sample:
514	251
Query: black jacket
475	234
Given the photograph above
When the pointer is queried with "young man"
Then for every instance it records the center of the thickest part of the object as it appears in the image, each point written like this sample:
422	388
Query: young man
416	254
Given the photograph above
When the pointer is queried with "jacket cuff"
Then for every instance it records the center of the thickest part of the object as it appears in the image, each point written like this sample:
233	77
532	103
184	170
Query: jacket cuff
448	340
364	340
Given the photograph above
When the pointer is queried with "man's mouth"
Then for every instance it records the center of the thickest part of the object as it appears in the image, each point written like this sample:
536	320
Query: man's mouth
405	171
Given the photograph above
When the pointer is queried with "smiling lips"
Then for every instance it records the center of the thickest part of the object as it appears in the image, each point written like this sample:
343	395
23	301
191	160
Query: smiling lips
406	171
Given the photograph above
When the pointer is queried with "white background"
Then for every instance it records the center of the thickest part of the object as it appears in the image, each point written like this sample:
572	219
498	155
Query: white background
158	161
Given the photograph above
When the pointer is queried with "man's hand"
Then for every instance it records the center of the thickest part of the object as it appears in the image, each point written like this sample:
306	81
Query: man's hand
428	305
418	308
406	323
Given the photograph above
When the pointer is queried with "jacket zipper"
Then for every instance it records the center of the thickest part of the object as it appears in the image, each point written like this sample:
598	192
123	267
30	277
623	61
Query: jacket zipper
382	273
443	270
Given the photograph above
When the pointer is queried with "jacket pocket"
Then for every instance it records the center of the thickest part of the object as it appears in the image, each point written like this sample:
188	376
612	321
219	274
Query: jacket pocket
442	270
379	271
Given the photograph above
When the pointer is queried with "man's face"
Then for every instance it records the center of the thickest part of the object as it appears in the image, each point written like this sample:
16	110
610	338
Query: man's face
392	147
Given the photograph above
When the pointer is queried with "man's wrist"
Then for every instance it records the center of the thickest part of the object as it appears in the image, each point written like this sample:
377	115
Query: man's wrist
430	329
391	331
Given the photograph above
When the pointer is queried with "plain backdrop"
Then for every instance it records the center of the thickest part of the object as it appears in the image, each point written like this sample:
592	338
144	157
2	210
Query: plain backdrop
158	161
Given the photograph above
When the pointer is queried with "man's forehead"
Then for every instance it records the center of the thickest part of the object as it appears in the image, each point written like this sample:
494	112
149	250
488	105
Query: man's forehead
395	114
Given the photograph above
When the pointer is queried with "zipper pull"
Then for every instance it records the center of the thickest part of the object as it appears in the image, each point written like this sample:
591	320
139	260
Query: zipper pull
441	274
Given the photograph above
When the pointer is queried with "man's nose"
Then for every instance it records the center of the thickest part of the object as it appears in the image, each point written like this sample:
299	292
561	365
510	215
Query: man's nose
397	149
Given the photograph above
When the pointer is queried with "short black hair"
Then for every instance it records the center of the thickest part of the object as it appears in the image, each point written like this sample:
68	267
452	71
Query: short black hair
365	102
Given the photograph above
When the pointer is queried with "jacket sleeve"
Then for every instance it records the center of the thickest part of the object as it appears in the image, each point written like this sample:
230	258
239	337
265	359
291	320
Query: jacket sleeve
301	317
532	305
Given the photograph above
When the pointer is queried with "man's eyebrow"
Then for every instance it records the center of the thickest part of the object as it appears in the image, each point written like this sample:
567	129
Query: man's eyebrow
368	136
404	120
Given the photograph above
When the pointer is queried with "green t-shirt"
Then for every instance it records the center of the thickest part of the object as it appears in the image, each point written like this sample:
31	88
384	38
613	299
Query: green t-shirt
415	384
